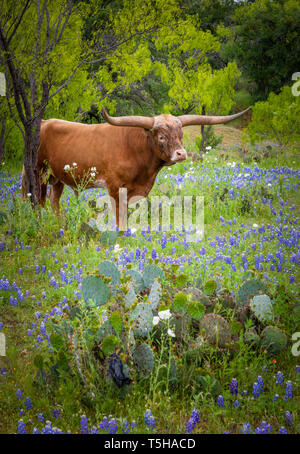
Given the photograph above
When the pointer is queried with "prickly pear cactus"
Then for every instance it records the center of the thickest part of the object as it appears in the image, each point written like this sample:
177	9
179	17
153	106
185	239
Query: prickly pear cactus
150	273
252	338
198	295
142	318
130	297
262	308
143	359
215	329
249	289
109	269
94	288
273	340
104	331
154	295
226	299
137	280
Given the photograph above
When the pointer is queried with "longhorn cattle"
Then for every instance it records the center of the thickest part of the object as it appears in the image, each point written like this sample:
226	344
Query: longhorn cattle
126	152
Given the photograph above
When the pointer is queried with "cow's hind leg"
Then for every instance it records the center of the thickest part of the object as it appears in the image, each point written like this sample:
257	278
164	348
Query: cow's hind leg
54	195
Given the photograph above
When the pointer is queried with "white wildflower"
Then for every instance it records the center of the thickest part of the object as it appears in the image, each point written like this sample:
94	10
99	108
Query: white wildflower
155	320
171	333
255	226
208	148
74	164
165	315
67	167
29	194
93	174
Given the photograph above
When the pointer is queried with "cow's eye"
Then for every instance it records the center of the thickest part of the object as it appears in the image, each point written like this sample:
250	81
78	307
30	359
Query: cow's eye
162	138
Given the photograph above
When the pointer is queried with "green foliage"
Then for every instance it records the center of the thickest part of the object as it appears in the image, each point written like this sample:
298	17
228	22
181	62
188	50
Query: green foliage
210	287
180	303
116	322
196	310
277	119
262	41
181	281
109	343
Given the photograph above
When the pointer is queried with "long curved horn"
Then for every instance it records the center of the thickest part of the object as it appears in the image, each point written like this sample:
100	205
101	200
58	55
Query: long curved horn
187	120
142	122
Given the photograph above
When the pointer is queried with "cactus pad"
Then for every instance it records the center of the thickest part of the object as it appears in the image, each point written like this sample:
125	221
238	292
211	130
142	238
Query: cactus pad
95	288
215	329
143	359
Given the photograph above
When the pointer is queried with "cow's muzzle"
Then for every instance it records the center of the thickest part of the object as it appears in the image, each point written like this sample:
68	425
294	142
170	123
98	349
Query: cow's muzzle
179	155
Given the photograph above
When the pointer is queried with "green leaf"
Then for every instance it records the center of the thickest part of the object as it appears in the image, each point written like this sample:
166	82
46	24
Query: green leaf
57	341
210	287
108	344
181	281
116	322
196	310
180	303
38	362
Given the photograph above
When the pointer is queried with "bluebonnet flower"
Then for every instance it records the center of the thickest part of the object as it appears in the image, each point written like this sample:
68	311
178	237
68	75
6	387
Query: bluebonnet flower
234	386
28	403
236	404
256	390
3	372
21	427
22	412
275	397
84	425
192	422
55	412
288	390
282	430
113	426
220	401
149	419
297	369
260	383
41	417
19	394
246	428
279	378
289	417
35	430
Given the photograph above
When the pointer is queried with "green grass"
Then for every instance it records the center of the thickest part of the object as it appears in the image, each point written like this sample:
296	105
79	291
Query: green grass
170	406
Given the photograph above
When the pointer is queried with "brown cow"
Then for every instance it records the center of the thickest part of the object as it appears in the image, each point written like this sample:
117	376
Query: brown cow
127	152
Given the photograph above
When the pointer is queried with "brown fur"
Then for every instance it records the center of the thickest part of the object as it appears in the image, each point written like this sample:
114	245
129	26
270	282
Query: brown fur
125	157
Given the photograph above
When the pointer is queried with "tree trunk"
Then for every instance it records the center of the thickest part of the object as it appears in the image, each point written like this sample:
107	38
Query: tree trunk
32	177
